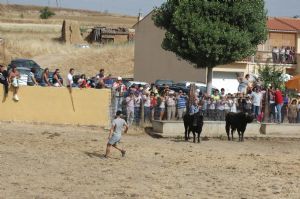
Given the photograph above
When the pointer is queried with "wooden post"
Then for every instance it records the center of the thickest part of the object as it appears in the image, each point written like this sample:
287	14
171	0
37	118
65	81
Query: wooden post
266	108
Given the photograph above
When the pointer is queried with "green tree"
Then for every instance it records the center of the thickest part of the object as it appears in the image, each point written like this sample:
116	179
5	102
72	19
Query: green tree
208	33
271	76
45	13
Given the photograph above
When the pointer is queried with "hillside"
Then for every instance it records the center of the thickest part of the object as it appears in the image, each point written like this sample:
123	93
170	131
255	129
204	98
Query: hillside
30	14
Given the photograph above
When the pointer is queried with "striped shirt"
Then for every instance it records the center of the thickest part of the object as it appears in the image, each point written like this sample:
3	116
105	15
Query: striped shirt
181	102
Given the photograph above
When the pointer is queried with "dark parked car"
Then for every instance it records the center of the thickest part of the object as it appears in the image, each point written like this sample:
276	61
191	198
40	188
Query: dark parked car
25	63
164	82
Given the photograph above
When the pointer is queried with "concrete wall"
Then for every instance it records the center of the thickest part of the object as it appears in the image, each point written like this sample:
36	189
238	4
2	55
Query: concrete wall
57	106
217	128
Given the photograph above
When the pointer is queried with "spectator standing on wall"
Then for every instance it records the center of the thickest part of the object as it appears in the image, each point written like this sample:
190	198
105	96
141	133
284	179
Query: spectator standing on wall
31	81
243	84
181	104
57	79
3	79
14	76
45	78
70	81
279	103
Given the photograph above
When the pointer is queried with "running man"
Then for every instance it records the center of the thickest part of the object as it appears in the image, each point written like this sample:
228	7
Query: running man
115	134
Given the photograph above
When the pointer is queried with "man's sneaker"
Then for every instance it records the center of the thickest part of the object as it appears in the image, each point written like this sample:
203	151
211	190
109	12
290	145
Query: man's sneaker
16	97
123	153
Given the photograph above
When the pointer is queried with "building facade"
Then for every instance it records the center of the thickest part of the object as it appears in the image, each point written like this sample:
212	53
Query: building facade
152	62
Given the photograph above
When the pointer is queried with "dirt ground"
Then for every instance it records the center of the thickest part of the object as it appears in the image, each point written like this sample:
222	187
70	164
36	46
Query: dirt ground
44	161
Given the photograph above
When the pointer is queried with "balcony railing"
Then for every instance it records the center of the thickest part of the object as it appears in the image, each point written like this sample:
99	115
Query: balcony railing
272	58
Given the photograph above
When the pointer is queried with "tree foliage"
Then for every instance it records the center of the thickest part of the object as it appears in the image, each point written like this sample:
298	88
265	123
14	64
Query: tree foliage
208	33
46	13
271	76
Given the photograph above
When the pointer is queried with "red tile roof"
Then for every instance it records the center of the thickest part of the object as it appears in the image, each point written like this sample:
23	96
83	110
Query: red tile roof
283	24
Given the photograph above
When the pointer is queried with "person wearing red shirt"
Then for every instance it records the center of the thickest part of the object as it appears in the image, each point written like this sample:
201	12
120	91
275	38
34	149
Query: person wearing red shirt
279	103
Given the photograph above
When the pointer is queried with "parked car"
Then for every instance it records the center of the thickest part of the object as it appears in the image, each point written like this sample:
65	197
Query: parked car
26	63
164	82
130	83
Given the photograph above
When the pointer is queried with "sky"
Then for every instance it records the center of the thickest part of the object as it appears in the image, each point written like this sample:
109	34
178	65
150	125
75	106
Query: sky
133	7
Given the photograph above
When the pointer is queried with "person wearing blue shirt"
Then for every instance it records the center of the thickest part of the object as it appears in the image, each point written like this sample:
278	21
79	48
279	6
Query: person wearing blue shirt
181	105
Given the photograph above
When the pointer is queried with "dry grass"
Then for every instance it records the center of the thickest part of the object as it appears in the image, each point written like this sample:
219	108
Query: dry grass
48	52
30	37
30	14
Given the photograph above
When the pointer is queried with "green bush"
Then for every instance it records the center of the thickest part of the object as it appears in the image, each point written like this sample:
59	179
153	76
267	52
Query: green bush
45	13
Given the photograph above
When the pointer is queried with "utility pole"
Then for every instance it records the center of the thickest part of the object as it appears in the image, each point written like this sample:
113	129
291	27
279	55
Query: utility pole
57	3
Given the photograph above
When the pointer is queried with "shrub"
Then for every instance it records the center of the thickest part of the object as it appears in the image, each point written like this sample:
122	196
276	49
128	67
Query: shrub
45	13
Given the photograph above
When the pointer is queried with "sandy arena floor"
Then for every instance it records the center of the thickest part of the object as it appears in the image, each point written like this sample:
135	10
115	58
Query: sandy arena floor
43	161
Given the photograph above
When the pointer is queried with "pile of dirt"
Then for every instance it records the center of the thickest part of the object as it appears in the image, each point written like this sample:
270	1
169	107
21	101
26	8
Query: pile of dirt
71	32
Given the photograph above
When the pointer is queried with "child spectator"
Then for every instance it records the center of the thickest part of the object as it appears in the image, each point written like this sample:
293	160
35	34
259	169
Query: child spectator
162	106
153	103
226	106
221	109
212	109
82	82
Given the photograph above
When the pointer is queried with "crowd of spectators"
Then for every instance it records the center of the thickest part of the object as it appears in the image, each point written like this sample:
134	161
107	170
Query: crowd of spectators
46	79
283	55
165	104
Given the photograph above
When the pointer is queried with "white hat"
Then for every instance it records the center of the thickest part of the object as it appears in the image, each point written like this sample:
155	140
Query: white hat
119	78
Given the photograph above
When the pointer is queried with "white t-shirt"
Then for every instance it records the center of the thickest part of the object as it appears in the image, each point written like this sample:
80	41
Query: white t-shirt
147	101
256	98
69	79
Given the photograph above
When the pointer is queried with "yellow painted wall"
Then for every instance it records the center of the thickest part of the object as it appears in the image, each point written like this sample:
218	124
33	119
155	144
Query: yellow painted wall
57	106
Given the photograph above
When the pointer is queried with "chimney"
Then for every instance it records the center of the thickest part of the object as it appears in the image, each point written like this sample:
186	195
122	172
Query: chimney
140	16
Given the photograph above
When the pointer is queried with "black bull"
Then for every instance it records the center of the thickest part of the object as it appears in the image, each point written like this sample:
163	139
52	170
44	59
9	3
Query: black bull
237	121
194	124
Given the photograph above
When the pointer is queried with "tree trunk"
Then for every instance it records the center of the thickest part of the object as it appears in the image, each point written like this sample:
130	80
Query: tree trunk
266	109
209	80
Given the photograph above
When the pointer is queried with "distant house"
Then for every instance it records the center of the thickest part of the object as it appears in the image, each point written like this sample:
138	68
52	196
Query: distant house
152	62
105	35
